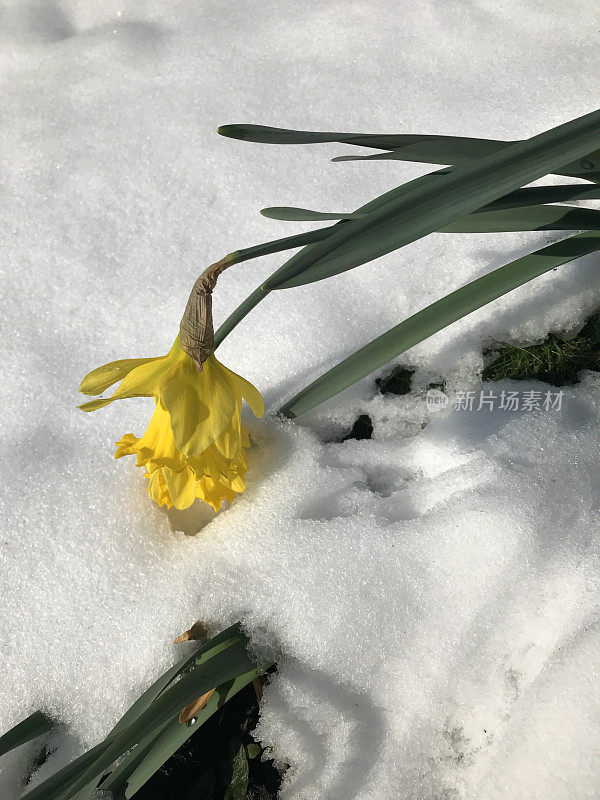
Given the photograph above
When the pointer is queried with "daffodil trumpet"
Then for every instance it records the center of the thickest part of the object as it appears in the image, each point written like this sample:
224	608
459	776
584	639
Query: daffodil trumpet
194	446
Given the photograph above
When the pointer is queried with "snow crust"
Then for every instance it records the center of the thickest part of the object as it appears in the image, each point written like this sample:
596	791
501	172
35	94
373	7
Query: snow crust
430	595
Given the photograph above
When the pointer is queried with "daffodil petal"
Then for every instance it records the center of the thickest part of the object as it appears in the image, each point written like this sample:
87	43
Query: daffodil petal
93	405
229	443
181	486
189	416
141	381
200	404
99	379
157	489
249	392
237	484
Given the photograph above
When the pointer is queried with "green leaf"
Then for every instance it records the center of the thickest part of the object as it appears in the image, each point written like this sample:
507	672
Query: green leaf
530	196
254	750
212	665
528	218
291	214
437	316
32	726
117	780
238	785
491	220
406	146
429	207
450	150
57	785
175	734
223	663
146	699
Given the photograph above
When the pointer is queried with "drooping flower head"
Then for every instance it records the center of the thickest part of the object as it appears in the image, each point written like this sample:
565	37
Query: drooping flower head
194	444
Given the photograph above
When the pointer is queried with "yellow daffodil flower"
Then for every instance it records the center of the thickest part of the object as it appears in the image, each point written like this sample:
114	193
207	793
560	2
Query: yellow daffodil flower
194	444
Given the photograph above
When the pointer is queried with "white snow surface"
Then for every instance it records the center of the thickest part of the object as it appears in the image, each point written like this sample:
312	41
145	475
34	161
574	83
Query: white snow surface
430	595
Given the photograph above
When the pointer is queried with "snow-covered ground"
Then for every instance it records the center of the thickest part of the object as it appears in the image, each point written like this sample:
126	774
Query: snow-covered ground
431	594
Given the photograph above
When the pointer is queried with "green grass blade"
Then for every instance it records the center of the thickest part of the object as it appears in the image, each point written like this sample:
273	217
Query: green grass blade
427	148
429	207
175	733
437	316
32	726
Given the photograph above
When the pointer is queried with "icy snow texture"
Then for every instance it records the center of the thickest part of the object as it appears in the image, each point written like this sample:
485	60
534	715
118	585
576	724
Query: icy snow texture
430	595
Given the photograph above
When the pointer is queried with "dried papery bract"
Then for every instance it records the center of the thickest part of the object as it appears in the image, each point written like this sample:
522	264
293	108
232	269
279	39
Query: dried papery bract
196	333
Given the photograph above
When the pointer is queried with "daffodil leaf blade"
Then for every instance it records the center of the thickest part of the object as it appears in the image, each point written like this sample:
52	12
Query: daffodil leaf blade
460	150
146	699
488	219
534	195
528	218
428	207
175	733
229	662
308	240
29	728
437	316
427	148
292	214
215	663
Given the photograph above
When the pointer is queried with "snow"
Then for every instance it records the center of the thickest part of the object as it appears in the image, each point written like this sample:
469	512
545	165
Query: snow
430	595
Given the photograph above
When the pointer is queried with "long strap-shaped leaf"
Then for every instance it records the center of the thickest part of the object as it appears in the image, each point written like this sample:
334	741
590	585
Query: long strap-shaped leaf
32	726
407	146
175	733
146	699
527	218
437	316
530	196
217	665
38	723
453	150
426	208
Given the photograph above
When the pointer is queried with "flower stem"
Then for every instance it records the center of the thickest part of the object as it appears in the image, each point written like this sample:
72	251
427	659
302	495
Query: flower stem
266	248
238	315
